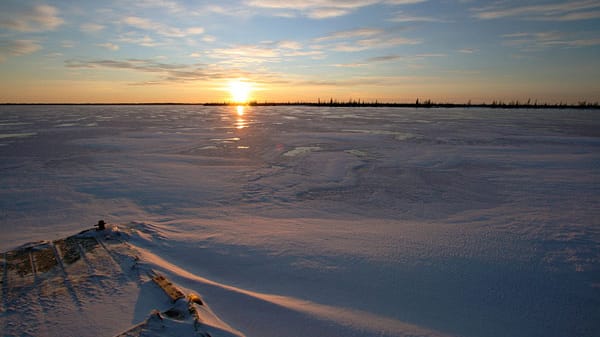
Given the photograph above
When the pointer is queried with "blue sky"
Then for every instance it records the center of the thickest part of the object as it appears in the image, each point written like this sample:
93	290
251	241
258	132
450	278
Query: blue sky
388	50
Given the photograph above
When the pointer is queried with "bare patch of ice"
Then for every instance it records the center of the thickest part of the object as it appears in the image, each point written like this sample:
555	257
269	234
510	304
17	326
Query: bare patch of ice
14	124
397	134
301	150
17	135
357	153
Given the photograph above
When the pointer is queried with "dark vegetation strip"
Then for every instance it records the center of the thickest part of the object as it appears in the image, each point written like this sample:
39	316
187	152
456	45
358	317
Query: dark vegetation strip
362	103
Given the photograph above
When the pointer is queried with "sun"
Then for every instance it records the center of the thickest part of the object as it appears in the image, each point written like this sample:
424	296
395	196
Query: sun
239	91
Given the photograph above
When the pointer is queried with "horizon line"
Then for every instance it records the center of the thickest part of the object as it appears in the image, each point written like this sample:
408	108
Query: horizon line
351	103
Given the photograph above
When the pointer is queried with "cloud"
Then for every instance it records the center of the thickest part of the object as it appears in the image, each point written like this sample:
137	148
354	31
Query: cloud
588	15
560	11
34	19
140	23
18	48
234	11
194	30
404	2
543	40
388	58
289	45
110	46
348	34
360	39
268	51
401	17
159	28
311	4
167	72
91	27
171	6
246	51
321	9
378	81
144	41
468	50
209	38
324	13
350	65
385	58
67	43
173	73
375	43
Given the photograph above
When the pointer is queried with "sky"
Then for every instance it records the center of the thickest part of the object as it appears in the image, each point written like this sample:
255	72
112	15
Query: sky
299	50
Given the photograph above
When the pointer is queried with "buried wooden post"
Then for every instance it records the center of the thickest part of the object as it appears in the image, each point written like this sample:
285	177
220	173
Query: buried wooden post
101	225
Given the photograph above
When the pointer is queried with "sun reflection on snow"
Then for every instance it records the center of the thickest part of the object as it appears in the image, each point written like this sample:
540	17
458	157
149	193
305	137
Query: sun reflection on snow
240	110
240	122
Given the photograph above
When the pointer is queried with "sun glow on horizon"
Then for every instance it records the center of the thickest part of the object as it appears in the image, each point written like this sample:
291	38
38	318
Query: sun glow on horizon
239	91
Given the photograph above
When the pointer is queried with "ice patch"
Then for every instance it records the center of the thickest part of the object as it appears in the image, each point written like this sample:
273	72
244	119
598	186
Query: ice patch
397	134
14	124
357	153
17	135
301	150
226	140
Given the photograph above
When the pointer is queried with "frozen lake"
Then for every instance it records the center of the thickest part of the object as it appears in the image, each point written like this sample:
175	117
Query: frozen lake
364	221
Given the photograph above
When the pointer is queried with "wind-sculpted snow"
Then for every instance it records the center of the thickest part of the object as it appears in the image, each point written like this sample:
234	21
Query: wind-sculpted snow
52	287
293	221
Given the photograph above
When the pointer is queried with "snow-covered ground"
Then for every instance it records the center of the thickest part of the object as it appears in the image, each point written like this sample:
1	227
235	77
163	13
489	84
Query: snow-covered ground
298	221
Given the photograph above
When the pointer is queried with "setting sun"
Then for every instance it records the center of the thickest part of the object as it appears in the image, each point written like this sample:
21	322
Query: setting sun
239	91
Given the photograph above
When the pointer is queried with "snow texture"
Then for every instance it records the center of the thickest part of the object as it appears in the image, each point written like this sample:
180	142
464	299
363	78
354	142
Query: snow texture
305	221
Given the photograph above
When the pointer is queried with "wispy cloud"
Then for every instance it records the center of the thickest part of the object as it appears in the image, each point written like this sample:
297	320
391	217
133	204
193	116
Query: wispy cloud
403	2
468	50
167	73
348	34
360	39
31	19
144	41
110	46
322	9
18	48
374	43
247	53
287	44
266	52
67	43
402	17
311	4
543	40
160	28
91	27
366	81
559	11
237	11
171	6
349	65
388	58
384	58
324	13
209	38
